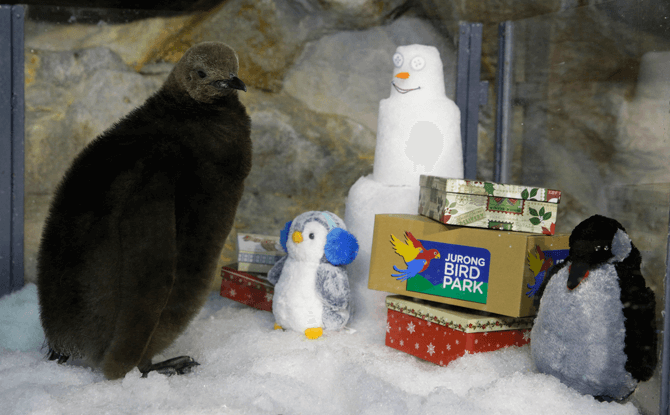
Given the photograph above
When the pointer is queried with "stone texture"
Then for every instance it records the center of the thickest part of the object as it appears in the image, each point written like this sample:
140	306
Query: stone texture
71	98
136	42
344	73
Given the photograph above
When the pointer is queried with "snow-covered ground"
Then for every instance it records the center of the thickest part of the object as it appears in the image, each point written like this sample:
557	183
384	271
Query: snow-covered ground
249	368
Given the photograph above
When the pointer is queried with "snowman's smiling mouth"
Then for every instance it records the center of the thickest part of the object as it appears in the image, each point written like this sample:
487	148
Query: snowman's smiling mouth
403	90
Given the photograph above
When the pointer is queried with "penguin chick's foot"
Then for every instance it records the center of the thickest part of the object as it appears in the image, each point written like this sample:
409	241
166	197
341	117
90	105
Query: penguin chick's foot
278	327
53	355
314	333
175	366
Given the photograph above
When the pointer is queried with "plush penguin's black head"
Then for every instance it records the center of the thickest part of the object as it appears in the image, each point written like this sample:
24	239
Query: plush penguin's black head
593	242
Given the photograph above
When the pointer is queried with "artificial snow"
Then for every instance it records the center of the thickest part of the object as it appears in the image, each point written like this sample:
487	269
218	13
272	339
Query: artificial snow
249	368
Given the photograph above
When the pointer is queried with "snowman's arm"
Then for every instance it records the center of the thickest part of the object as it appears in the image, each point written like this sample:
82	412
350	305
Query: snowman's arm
275	271
332	285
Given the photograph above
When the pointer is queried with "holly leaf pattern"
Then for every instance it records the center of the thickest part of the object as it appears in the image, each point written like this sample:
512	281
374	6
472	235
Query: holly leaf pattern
488	188
541	211
533	211
533	192
546	216
535	221
524	194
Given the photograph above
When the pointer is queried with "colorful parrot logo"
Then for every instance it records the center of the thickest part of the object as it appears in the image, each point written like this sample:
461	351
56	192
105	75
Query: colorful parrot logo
538	263
416	257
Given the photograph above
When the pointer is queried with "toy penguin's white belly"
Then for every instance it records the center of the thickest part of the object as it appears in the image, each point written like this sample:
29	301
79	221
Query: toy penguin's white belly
579	335
295	303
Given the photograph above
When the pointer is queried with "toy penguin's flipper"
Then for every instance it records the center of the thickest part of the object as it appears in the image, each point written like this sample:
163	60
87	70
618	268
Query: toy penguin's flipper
640	322
275	271
147	268
550	273
332	286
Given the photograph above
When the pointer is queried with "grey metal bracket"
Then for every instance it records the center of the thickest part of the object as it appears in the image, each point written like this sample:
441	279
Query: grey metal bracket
665	355
503	169
11	147
471	92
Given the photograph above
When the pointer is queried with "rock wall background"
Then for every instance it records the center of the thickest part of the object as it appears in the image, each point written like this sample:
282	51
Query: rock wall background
590	111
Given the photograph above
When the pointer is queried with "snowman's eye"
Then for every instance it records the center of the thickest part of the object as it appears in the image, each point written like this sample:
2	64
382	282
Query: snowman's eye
398	60
311	236
418	63
597	248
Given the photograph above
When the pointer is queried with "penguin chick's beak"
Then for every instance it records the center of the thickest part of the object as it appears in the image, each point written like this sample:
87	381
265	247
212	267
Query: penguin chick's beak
402	75
297	237
232	83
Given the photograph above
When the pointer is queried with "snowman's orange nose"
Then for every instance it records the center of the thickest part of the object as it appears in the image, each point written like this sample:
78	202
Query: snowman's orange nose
402	75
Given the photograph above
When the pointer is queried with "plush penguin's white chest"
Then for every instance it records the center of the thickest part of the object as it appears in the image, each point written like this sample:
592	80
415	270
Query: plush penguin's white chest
579	335
295	303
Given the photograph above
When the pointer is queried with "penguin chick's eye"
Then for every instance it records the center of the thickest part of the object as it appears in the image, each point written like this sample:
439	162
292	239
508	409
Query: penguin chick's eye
398	60
201	74
418	63
311	236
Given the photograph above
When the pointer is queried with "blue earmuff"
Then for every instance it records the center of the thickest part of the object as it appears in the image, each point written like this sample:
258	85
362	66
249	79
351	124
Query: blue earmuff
283	235
341	246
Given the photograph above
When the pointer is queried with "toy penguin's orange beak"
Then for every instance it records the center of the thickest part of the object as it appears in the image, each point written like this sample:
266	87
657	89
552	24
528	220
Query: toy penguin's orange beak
402	75
297	237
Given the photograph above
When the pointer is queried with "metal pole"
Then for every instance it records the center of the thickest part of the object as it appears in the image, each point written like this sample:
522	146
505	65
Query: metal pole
11	148
503	169
665	357
470	92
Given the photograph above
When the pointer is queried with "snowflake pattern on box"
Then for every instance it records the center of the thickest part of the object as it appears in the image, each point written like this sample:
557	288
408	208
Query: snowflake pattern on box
440	344
252	290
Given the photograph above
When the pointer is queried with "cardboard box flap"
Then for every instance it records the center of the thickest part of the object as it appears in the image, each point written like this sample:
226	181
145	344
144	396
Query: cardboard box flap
491	189
456	318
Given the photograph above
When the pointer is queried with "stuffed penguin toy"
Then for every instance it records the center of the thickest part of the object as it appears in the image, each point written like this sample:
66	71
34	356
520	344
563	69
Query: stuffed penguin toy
311	285
596	326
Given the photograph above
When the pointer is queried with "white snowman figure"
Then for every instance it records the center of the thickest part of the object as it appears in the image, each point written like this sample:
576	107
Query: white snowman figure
418	129
418	132
312	291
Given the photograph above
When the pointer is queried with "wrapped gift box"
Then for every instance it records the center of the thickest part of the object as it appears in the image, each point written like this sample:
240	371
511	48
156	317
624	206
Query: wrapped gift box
252	290
482	269
489	205
440	333
258	253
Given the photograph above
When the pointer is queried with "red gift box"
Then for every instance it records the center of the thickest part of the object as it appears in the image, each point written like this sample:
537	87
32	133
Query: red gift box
441	333
252	290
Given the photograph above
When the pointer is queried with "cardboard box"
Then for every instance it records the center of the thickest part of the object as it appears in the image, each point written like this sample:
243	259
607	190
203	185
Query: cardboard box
252	290
258	253
489	205
481	269
441	333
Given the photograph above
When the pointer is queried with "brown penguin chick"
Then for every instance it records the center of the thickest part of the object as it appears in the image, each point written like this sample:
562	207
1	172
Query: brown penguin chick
135	228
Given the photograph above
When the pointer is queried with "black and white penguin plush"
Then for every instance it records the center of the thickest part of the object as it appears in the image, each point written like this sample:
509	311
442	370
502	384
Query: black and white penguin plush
596	325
